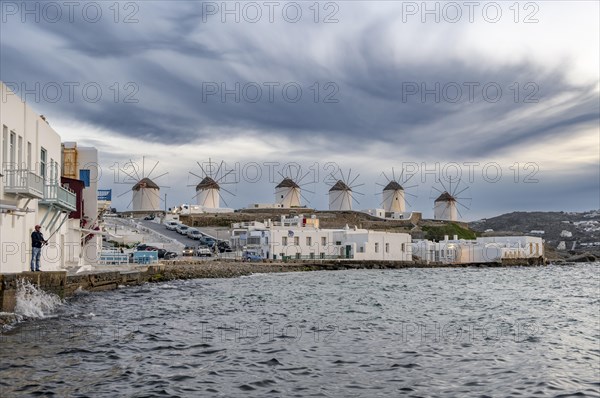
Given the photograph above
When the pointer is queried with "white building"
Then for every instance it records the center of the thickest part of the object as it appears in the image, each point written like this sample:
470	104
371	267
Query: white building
445	208
146	195
31	192
265	206
301	238
81	163
340	196
393	198
287	193
481	250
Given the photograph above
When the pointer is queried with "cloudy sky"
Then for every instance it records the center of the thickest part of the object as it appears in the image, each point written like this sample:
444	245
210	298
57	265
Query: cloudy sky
497	98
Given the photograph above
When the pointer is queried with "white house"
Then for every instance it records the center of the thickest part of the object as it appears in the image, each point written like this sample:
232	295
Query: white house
31	191
81	163
301	238
480	250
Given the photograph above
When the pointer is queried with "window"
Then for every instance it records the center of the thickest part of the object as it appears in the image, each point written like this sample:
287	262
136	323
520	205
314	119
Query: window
28	155
322	255
323	241
376	247
308	241
4	145
338	242
266	240
297	256
312	255
297	240
403	247
20	153
43	155
84	175
284	240
387	247
361	249
11	149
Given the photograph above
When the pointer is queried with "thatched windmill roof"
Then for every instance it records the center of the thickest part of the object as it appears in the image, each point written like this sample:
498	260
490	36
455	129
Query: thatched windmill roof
207	183
340	186
287	183
445	197
145	183
393	186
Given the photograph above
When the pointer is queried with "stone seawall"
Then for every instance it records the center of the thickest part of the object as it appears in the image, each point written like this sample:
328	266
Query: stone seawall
64	285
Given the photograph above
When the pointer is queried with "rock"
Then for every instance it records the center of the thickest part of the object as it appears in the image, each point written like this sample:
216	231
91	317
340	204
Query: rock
583	258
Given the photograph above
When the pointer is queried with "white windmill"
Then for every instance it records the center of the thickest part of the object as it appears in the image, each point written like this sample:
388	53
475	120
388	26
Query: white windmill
445	206
341	194
145	192
208	190
394	193
289	191
146	195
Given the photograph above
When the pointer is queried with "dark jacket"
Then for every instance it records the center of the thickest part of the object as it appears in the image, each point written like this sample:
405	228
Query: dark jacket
37	239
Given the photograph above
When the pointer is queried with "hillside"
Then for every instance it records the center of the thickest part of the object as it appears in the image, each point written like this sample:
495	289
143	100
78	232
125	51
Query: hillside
584	227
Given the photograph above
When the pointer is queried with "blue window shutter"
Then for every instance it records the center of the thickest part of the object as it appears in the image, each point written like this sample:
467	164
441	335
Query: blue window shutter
84	175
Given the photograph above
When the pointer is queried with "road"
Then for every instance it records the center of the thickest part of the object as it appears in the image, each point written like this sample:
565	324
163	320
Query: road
213	232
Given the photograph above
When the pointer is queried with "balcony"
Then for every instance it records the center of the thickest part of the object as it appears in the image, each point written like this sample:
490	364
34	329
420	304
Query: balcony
61	197
24	183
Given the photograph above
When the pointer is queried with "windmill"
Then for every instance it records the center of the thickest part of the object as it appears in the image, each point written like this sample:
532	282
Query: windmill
445	205
341	194
208	190
394	192
289	191
145	192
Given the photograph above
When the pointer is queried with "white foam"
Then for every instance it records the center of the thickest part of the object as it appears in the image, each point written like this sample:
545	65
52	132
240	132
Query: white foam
33	302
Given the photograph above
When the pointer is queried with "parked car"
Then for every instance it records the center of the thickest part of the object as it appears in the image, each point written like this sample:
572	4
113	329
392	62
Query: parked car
188	251
171	225
206	241
149	218
193	233
162	253
224	246
203	251
251	256
181	229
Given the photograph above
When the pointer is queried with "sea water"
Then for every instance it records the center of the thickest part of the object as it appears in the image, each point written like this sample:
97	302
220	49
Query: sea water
468	332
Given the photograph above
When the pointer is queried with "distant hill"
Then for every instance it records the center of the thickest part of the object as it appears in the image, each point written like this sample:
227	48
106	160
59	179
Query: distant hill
584	227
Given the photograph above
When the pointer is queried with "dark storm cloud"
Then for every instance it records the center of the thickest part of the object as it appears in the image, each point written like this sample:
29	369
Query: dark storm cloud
174	59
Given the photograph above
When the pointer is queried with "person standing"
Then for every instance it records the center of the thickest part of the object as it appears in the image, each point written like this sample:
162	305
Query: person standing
37	241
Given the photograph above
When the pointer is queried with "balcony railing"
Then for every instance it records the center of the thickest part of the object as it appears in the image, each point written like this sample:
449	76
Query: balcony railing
59	196
24	183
